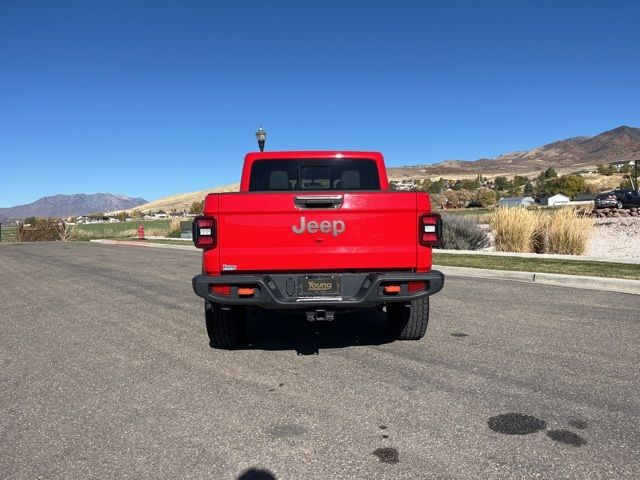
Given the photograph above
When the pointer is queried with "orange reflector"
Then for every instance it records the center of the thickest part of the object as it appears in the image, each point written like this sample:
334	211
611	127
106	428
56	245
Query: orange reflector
391	289
221	289
246	292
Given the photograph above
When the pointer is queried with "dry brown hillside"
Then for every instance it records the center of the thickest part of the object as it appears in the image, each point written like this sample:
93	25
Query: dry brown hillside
182	201
565	156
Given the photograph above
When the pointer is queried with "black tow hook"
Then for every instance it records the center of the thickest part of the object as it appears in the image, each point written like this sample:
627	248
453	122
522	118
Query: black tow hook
320	316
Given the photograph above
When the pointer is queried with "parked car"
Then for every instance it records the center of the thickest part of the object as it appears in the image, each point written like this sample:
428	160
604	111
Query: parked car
618	198
630	198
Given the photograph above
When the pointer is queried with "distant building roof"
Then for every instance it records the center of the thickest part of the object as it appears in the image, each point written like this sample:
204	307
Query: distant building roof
555	196
517	199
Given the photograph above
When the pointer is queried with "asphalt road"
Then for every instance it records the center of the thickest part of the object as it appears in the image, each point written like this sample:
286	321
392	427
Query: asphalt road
106	372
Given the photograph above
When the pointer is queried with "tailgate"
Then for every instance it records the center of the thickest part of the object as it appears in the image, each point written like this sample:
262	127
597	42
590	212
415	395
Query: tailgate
285	231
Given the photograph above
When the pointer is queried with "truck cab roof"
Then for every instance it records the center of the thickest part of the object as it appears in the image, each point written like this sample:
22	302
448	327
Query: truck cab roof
313	156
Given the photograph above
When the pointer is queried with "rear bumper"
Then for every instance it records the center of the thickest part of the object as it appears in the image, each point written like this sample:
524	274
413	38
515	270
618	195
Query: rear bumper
280	291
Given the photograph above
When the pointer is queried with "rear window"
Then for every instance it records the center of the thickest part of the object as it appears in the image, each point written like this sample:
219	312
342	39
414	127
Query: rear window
330	174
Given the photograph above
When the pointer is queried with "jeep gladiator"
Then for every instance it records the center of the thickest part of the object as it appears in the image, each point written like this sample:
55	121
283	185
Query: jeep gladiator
319	233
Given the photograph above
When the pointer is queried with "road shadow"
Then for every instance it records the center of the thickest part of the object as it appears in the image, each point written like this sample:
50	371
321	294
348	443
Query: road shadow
256	474
276	331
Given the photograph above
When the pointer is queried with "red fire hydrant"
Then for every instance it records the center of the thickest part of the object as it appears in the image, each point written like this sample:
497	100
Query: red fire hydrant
140	232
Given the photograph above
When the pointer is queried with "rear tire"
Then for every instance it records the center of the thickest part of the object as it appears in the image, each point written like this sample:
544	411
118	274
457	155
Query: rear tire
226	328
408	321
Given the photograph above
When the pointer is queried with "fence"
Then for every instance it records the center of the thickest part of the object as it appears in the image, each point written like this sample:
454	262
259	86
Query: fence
9	232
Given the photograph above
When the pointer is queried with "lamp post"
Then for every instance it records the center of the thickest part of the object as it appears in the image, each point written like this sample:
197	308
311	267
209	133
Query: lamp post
261	136
634	163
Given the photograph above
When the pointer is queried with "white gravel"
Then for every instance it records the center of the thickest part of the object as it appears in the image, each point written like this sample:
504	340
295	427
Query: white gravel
612	238
615	237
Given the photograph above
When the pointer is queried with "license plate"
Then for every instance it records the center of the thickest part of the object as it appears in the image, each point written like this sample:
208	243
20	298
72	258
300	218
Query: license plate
320	287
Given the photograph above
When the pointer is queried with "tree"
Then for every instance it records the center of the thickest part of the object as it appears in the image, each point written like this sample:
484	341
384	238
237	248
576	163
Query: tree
606	169
197	207
501	183
485	197
136	214
470	184
519	181
122	216
569	185
528	189
452	198
550	173
436	187
437	200
30	220
43	230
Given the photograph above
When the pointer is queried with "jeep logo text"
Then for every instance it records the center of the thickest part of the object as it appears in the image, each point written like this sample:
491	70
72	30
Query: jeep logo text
335	227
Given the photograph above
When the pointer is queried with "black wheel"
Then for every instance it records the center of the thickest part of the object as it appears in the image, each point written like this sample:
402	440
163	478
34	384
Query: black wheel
619	205
408	321
225	328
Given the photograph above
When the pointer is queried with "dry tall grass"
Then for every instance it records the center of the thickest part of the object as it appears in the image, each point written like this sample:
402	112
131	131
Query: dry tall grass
567	233
514	229
559	231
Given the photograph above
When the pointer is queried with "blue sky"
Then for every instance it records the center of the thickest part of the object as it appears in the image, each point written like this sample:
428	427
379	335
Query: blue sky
161	97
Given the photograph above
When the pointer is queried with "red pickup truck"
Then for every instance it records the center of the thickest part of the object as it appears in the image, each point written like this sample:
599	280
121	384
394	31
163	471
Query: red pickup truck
319	233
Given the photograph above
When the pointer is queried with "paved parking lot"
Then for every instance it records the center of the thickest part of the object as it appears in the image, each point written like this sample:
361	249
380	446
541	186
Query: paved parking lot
107	373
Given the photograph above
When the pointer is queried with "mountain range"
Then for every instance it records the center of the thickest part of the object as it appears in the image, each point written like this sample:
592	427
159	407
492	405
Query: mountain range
71	205
577	153
622	143
570	155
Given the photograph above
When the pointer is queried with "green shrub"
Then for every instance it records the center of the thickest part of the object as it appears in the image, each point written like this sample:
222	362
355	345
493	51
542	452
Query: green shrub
460	233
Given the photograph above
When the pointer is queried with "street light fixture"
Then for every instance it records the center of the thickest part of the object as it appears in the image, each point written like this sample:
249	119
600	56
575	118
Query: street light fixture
261	136
634	164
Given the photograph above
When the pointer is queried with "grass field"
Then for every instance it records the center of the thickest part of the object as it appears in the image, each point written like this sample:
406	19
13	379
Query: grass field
119	230
542	265
9	234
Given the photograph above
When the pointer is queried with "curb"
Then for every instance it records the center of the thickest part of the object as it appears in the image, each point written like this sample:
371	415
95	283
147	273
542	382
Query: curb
573	281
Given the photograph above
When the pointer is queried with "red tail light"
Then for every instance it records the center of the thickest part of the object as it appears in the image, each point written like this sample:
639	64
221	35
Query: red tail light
221	289
204	232
413	287
430	229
